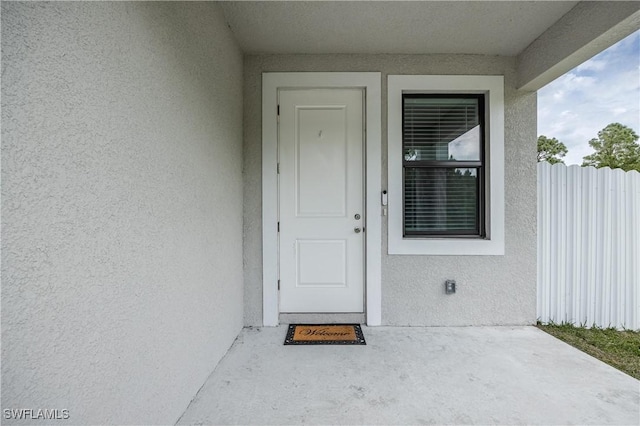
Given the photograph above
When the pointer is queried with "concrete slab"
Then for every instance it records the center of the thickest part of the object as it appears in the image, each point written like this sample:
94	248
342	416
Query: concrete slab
465	375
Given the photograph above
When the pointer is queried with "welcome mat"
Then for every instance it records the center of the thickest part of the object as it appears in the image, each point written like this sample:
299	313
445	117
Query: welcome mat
324	334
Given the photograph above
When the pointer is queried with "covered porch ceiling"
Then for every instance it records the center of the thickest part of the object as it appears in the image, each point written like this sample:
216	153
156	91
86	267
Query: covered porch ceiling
547	37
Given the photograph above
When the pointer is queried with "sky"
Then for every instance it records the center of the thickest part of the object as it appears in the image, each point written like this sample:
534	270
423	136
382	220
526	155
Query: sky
603	90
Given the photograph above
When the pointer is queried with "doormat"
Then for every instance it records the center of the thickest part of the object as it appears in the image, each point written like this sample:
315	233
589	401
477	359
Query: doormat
324	334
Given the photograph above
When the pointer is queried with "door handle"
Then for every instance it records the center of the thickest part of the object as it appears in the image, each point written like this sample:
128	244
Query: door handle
357	230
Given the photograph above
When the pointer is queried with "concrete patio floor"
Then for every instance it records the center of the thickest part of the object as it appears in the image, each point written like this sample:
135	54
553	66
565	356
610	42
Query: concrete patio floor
415	375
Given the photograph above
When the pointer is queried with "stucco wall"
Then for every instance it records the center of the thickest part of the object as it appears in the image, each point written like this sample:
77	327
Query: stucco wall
491	289
121	206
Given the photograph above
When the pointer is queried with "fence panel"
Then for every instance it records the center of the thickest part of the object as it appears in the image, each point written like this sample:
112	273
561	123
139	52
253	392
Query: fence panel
588	246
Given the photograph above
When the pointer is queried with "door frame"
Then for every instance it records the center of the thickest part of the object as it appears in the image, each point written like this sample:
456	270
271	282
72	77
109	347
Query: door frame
370	82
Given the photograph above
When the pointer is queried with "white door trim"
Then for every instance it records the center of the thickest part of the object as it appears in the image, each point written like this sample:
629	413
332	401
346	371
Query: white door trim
371	82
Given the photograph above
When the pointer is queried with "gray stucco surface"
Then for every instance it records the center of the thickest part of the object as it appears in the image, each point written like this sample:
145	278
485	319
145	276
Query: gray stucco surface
121	206
492	290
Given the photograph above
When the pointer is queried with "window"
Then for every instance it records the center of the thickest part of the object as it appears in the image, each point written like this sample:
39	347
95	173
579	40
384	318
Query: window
442	145
446	171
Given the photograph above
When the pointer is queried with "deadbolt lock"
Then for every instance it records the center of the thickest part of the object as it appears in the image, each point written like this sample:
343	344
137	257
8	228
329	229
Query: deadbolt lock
357	216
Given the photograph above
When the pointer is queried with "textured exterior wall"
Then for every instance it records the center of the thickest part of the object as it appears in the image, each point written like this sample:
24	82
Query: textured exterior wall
491	289
121	206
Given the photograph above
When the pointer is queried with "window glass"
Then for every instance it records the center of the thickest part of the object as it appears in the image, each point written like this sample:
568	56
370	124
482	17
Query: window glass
441	128
441	201
443	170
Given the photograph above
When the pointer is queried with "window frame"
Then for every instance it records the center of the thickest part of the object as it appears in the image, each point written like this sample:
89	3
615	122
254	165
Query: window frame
492	243
448	164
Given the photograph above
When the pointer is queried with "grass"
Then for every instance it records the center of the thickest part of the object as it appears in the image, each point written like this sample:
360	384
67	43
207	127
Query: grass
620	349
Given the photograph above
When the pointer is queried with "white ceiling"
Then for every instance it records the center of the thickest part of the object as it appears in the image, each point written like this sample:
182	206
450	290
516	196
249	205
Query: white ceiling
480	27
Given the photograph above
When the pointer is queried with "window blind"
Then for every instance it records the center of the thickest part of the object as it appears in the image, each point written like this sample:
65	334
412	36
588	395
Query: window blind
442	145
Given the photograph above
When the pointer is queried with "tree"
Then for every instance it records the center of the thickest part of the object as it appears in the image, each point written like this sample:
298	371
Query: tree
550	150
616	147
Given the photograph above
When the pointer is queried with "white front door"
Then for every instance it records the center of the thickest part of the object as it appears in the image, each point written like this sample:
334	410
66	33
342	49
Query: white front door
321	202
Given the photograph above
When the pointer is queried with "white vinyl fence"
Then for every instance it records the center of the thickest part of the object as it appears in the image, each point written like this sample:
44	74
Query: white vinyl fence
588	246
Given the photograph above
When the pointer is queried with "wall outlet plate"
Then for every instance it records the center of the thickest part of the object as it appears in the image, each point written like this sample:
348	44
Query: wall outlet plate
449	286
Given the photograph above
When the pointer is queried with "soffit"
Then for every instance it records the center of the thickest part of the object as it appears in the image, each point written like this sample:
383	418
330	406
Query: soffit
414	27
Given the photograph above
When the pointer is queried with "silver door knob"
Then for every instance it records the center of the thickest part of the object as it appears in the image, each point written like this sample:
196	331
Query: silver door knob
357	230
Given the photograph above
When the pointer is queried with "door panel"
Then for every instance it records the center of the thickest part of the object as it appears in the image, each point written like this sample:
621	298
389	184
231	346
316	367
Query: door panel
321	256
321	186
322	263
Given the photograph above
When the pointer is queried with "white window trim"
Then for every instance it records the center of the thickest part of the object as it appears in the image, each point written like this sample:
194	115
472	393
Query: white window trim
493	88
371	83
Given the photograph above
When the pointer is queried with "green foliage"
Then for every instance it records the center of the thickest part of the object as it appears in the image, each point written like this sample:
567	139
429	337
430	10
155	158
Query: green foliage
551	150
618	348
616	147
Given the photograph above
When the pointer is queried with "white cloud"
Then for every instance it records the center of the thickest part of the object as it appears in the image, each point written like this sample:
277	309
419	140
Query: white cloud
568	115
571	82
592	65
466	146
